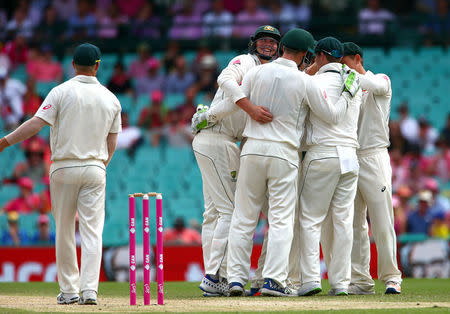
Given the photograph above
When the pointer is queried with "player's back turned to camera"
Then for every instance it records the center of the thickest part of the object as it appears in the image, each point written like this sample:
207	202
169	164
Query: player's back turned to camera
84	117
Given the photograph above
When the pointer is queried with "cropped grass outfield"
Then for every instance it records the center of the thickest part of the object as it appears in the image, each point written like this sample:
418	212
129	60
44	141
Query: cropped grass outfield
418	296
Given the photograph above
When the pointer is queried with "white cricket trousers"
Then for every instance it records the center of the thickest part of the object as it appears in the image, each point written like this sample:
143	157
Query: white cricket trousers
78	186
258	279
375	194
218	159
324	191
260	176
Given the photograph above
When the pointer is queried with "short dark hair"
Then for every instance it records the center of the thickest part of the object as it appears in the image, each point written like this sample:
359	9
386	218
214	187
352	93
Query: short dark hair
290	50
353	58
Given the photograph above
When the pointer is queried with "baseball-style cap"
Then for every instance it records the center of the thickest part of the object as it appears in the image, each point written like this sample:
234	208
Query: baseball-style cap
156	96
431	184
152	63
352	49
86	54
43	219
25	182
298	39
426	196
330	46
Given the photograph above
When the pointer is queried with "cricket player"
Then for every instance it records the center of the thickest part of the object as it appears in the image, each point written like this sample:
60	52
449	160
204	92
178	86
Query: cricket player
269	161
84	118
217	156
374	183
329	178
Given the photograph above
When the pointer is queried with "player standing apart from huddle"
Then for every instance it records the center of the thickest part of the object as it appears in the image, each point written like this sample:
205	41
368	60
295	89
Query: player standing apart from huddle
269	162
217	155
84	117
374	182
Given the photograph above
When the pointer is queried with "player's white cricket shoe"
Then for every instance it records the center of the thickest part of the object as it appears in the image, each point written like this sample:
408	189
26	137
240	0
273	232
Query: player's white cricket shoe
393	287
310	288
88	297
214	287
67	298
354	289
292	287
237	290
338	292
271	288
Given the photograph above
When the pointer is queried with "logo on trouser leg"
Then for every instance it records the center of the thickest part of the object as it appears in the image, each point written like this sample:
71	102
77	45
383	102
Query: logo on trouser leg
233	176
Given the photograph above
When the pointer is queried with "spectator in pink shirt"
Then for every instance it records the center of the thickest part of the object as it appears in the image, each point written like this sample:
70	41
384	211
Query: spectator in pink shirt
180	235
249	19
31	100
27	202
16	50
43	68
153	80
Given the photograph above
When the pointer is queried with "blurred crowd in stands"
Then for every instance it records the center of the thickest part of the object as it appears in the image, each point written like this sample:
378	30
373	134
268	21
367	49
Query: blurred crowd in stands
47	21
420	154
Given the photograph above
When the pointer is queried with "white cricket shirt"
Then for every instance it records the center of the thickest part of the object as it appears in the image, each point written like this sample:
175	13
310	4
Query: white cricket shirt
321	132
229	92
287	93
373	124
81	113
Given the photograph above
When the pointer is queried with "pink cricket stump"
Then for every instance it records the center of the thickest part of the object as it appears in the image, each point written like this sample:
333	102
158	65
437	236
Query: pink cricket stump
159	249
132	221
146	211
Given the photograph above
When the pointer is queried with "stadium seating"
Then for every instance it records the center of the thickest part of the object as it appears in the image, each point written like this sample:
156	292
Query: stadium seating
20	73
28	223
173	171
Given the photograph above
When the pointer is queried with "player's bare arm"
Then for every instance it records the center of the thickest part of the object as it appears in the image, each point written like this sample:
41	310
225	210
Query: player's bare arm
25	130
111	142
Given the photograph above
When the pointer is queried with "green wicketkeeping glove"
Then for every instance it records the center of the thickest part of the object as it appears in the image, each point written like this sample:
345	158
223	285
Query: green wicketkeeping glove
351	80
200	119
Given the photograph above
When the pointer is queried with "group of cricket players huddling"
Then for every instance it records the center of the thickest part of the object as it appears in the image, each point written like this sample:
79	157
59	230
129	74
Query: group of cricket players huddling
292	97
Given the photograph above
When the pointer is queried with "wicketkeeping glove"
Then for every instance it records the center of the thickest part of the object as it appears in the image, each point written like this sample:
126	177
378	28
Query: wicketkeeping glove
351	80
200	119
